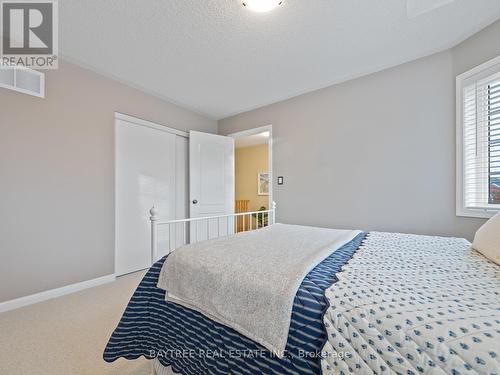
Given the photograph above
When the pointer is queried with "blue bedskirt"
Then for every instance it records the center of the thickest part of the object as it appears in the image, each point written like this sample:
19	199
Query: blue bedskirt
193	344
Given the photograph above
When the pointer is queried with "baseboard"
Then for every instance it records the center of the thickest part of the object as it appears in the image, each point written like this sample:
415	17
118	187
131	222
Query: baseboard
54	293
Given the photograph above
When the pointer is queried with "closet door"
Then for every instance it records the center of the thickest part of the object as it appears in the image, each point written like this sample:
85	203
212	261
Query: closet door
145	175
180	236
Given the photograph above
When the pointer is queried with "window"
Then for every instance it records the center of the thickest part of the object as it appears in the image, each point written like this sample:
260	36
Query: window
478	141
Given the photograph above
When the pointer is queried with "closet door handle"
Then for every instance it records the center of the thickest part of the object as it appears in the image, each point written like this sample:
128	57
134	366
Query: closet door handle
195	201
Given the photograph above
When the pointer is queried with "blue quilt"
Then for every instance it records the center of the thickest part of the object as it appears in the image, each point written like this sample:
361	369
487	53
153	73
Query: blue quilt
193	344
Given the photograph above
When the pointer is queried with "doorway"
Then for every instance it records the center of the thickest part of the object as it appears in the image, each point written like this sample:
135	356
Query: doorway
253	175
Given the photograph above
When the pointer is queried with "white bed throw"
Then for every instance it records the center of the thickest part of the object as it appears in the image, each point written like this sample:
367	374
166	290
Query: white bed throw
248	281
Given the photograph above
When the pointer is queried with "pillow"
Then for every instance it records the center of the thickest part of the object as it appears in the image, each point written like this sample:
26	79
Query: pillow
487	239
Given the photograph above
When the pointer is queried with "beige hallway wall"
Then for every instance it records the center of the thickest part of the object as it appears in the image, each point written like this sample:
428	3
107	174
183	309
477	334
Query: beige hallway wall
56	176
249	161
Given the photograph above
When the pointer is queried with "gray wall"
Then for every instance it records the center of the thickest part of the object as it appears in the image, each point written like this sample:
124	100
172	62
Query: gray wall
376	153
56	177
478	49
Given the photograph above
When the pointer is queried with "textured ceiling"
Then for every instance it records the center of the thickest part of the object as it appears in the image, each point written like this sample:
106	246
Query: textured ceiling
218	58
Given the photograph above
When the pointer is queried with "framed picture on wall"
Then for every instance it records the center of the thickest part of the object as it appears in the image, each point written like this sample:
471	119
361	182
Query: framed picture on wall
263	183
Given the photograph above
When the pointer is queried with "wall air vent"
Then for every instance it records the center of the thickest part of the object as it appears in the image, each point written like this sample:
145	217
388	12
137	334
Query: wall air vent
25	80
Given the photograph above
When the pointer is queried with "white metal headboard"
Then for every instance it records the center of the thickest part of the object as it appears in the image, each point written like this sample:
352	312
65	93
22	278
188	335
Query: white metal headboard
212	227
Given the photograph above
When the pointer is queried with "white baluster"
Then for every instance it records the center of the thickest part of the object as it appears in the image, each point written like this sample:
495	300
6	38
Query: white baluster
154	216
208	229
175	236
274	213
169	238
183	238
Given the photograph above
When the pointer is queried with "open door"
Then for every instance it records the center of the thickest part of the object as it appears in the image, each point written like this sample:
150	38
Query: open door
211	183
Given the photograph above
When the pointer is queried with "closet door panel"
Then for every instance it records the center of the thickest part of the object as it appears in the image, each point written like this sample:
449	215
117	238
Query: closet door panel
181	190
145	176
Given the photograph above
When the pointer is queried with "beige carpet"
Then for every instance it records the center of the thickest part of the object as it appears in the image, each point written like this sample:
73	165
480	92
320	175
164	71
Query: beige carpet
67	335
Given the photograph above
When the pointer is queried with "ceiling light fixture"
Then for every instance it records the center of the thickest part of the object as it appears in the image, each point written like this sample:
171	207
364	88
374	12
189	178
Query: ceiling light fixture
262	5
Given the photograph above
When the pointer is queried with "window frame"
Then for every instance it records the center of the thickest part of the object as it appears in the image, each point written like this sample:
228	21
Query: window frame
461	209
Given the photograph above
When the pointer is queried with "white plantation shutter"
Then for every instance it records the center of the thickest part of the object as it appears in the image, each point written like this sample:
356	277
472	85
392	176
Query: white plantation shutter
479	142
494	141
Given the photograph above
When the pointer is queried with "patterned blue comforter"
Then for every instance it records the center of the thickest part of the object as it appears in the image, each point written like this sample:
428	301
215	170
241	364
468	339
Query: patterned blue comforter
193	344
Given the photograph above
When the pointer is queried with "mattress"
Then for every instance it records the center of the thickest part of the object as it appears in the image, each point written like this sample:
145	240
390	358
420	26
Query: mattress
411	304
191	343
383	304
234	279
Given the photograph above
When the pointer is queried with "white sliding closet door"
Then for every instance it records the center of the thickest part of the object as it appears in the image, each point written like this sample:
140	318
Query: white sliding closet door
181	234
150	170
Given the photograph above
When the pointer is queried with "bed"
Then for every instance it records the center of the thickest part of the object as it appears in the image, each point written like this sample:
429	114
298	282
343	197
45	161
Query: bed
379	303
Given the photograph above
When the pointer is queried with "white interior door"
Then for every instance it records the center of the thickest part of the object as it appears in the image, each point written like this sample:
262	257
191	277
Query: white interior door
211	182
145	176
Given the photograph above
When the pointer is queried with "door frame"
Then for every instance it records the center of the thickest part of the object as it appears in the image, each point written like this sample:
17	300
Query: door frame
140	122
149	124
258	130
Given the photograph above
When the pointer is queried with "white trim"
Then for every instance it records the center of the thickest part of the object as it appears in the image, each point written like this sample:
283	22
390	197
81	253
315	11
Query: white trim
459	196
258	130
115	200
253	131
461	210
54	293
149	124
478	69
